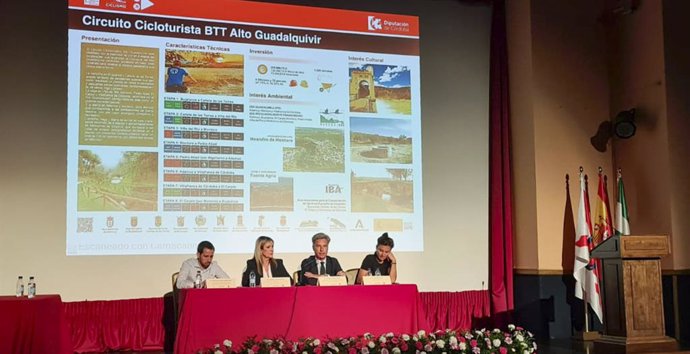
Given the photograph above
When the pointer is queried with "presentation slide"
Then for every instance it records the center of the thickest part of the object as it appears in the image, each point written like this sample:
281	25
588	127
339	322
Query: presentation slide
189	122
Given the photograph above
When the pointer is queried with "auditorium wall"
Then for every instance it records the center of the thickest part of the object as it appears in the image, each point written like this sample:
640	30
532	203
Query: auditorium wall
559	95
572	66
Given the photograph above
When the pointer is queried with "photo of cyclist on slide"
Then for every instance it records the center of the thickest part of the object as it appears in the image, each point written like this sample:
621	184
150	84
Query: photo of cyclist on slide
175	78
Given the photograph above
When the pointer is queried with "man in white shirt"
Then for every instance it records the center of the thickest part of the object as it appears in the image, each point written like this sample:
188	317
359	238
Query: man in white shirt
203	263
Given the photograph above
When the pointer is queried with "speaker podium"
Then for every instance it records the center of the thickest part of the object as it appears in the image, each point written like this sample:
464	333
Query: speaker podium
632	296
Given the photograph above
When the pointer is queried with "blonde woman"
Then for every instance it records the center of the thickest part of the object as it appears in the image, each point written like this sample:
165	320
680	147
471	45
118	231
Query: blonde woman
263	265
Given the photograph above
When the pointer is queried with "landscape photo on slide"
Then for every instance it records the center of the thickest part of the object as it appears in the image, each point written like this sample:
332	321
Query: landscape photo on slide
383	89
382	189
316	150
375	140
272	196
211	73
117	180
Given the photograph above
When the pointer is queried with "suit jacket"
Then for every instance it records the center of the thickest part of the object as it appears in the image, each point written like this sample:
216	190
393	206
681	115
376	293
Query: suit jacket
277	270
311	265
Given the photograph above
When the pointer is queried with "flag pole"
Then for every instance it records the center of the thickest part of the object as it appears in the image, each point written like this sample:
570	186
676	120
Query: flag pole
586	335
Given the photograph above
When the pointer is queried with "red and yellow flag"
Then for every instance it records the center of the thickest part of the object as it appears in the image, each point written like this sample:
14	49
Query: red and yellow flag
603	227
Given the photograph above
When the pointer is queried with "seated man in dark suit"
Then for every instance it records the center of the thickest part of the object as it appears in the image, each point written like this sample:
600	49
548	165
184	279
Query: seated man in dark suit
320	264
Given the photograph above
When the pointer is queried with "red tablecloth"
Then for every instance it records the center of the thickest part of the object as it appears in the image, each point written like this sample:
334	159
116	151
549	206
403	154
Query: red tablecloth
210	316
33	325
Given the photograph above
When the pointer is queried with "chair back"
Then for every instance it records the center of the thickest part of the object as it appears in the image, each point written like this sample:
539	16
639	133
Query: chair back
351	275
176	295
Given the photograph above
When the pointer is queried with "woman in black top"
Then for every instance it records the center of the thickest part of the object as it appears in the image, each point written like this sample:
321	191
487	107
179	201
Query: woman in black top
382	262
263	264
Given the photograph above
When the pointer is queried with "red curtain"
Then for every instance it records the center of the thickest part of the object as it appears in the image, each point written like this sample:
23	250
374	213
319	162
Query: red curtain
100	326
500	179
455	310
124	325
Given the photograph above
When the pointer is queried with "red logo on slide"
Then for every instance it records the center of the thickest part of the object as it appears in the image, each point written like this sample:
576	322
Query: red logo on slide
390	26
142	4
374	23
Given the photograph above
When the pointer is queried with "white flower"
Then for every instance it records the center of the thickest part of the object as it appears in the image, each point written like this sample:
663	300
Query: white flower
509	340
316	342
396	350
519	338
428	348
462	346
453	340
384	351
304	352
476	350
227	343
273	351
511	327
525	352
440	343
496	330
249	351
390	335
421	333
497	343
382	339
217	352
365	350
405	337
371	344
534	345
414	338
432	336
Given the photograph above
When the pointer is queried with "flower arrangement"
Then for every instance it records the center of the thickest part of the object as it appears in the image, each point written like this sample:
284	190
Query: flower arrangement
516	340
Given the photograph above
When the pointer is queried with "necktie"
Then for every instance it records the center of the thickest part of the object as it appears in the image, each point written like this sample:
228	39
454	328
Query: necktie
322	268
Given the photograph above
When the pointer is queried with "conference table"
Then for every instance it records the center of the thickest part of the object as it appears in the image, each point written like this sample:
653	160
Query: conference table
35	325
209	316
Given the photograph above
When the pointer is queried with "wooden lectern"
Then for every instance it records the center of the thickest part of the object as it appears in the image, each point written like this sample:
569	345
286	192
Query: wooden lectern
632	295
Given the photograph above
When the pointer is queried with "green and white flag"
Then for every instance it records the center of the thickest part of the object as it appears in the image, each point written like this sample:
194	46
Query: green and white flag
622	222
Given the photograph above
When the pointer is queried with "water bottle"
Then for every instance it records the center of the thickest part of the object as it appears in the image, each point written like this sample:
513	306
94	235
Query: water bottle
20	286
31	288
252	279
378	272
197	280
370	272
